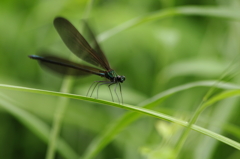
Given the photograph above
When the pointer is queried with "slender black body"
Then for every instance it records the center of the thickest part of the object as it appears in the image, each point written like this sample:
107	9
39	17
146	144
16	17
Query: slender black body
81	48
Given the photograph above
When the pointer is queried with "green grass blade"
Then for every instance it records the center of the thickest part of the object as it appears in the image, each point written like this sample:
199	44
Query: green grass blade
102	140
200	109
150	104
210	11
58	117
62	104
221	96
38	127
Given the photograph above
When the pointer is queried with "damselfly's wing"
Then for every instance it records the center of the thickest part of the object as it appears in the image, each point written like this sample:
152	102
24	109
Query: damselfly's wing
93	42
65	67
78	45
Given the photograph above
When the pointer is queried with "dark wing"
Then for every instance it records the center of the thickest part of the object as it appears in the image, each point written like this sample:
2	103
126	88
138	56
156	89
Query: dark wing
78	45
65	67
93	41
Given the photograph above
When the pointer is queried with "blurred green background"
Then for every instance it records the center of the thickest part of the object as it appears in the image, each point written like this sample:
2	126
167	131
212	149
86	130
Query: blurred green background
154	56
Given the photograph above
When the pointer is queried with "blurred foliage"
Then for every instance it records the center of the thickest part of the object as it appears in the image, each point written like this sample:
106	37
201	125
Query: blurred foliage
154	57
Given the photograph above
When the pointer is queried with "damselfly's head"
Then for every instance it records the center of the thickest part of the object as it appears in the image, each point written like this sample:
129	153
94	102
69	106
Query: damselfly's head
121	78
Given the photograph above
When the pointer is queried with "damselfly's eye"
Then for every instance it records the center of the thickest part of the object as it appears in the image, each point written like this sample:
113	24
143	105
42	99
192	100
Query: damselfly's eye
122	79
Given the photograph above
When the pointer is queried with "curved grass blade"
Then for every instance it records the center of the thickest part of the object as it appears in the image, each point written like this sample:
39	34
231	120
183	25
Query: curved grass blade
152	103
37	126
66	85
103	139
219	12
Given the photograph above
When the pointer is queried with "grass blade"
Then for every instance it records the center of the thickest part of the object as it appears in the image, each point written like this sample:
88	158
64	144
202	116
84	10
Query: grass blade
218	12
102	140
149	105
38	127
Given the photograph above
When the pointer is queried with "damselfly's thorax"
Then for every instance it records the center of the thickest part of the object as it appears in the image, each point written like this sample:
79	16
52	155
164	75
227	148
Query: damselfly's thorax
114	77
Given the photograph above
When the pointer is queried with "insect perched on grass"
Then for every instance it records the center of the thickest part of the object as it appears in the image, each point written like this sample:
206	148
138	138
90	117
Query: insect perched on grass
81	48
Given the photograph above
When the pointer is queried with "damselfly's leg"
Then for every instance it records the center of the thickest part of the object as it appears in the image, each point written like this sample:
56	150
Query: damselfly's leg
102	83
115	90
95	82
96	86
111	90
120	87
